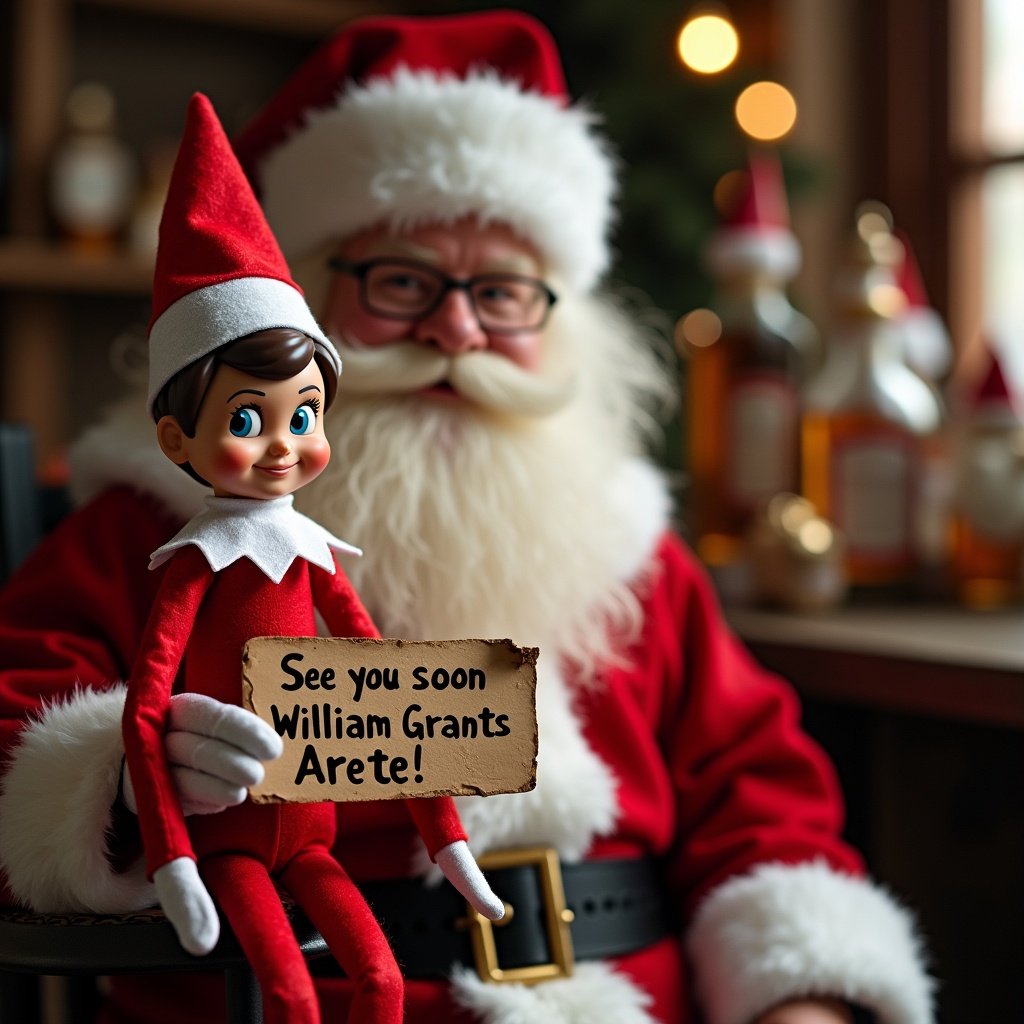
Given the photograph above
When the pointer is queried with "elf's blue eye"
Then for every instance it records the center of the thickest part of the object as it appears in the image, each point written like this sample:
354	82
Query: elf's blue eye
246	422
303	420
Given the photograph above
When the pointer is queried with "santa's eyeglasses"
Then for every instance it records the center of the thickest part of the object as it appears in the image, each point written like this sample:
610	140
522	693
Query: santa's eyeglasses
407	290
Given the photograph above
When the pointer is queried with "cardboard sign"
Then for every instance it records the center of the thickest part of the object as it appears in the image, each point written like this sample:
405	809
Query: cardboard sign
365	719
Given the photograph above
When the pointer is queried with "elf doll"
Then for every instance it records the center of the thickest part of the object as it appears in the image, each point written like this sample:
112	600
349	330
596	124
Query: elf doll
240	377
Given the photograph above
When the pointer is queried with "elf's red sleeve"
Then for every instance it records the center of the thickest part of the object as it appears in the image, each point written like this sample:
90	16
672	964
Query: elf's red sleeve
336	600
186	580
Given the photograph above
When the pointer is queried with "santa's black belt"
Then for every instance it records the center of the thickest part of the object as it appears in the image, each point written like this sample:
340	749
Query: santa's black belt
555	914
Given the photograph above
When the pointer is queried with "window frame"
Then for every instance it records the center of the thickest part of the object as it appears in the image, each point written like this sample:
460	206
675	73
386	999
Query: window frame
922	150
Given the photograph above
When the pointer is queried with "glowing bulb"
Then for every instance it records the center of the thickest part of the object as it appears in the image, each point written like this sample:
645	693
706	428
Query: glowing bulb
816	536
708	44
700	328
766	111
727	191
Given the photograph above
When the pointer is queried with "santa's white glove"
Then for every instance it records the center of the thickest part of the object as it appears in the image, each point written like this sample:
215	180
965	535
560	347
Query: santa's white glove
461	869
188	905
216	751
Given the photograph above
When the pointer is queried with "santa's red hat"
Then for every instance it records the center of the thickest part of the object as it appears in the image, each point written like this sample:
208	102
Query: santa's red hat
219	272
404	121
754	234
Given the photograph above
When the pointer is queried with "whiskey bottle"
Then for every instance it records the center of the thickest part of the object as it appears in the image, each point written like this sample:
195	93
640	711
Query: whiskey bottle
870	422
988	545
744	374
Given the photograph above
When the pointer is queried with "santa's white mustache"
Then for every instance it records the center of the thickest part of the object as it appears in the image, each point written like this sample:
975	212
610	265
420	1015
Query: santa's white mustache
492	381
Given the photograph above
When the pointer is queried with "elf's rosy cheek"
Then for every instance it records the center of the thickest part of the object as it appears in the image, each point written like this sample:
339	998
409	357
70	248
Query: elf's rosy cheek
232	460
317	455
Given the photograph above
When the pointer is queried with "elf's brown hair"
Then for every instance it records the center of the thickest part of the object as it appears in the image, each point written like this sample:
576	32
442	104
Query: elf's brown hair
275	354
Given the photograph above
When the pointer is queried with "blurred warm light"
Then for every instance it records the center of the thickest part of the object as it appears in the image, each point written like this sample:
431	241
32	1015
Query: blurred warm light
815	536
708	43
766	111
873	218
791	511
728	187
700	328
887	300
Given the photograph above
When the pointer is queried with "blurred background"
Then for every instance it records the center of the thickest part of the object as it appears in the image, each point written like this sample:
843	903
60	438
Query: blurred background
911	106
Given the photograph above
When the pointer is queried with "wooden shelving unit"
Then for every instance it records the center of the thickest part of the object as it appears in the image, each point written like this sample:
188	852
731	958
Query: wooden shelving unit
38	265
298	17
44	285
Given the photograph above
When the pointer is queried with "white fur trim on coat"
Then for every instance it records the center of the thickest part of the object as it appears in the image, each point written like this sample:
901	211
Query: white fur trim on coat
639	492
595	994
122	451
574	800
418	148
782	932
55	810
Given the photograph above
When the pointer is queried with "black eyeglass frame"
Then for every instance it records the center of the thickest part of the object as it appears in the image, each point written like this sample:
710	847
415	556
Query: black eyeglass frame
360	270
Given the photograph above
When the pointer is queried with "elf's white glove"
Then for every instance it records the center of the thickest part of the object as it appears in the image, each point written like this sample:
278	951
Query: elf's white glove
461	869
188	905
216	751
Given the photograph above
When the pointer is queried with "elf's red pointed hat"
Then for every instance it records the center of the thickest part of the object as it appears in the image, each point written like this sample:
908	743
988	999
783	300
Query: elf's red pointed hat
754	234
992	401
404	121
219	272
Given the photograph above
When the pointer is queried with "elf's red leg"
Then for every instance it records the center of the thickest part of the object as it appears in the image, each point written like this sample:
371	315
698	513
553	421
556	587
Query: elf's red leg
337	908
243	889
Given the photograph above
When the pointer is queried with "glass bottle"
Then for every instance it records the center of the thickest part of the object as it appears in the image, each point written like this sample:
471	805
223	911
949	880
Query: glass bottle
988	547
870	423
928	351
745	373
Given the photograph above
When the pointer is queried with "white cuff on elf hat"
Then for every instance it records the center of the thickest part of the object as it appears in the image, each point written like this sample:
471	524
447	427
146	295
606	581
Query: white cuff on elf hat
404	121
791	931
205	320
219	271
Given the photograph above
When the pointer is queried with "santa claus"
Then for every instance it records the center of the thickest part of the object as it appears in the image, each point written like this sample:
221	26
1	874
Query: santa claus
447	211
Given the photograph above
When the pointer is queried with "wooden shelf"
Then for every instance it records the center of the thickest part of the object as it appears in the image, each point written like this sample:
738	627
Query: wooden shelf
52	43
939	661
48	267
295	17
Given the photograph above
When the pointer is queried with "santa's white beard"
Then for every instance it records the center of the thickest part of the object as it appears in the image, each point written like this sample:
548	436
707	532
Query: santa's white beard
489	381
477	522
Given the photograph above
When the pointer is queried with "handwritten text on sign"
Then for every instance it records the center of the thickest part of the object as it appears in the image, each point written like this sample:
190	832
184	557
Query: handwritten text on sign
366	719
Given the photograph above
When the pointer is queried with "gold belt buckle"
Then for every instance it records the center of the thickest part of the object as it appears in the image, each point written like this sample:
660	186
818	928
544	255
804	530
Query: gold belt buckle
557	918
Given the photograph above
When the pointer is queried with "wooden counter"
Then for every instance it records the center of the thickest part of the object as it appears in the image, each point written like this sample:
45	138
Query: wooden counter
922	709
931	660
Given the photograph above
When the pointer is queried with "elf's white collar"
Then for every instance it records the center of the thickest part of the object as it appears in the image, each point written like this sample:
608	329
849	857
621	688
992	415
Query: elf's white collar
270	533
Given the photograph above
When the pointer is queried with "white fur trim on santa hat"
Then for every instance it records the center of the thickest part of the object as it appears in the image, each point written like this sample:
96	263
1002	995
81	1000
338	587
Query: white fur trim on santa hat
595	994
783	932
760	250
206	319
418	148
55	810
926	344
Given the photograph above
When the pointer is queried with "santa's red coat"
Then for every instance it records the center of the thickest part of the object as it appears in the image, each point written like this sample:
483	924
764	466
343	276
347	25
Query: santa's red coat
710	770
